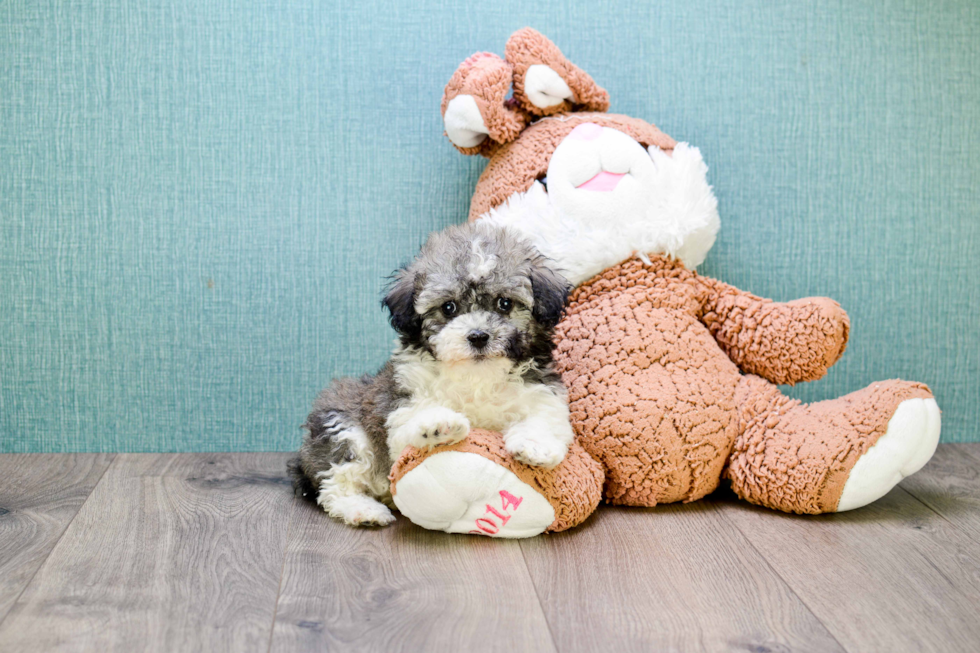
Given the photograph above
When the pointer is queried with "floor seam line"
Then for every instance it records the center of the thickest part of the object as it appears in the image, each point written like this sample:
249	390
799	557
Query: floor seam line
282	572
537	595
928	507
71	521
780	577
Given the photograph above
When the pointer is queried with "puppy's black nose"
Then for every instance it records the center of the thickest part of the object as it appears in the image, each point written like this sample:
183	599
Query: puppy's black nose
478	339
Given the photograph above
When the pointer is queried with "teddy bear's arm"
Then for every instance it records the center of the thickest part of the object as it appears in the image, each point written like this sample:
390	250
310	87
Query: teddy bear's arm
782	342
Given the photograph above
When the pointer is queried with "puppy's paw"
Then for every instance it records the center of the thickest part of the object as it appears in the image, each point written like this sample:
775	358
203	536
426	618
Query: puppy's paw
359	510
378	515
532	447
436	426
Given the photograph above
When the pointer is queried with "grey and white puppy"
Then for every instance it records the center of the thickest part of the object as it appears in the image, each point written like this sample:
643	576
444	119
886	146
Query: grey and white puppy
474	313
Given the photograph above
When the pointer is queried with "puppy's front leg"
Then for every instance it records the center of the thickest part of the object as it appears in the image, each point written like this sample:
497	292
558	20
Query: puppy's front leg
424	425
542	439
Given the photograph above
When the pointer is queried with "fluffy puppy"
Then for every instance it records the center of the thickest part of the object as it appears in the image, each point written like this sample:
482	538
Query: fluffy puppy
474	314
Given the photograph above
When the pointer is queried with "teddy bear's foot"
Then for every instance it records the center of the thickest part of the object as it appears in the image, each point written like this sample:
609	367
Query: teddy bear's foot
477	487
907	445
832	455
463	492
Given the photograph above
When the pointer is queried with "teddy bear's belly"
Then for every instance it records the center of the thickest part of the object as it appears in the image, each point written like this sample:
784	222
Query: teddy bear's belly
651	395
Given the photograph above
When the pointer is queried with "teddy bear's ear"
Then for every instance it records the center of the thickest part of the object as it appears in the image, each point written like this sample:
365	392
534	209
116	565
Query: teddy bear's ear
475	111
545	82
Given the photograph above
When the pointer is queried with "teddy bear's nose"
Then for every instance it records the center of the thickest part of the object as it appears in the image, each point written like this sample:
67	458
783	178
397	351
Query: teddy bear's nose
587	131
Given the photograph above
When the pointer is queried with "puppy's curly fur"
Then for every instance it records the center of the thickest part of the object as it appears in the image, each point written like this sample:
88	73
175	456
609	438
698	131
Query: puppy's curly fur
474	313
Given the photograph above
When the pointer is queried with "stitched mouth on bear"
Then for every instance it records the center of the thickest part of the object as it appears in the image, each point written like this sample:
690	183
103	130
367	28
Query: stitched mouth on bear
603	182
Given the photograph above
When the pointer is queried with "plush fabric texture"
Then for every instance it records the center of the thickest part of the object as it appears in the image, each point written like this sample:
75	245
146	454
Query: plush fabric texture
487	78
785	343
797	457
658	398
574	488
652	397
525	48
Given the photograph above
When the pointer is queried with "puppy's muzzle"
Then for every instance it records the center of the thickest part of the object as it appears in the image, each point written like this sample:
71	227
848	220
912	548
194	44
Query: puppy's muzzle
478	339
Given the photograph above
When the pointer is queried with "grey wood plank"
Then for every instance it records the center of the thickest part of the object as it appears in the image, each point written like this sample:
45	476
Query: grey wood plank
39	496
401	588
950	485
178	552
677	577
892	576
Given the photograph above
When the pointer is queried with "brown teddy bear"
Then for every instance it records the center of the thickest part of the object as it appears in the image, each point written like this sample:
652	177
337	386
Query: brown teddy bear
671	375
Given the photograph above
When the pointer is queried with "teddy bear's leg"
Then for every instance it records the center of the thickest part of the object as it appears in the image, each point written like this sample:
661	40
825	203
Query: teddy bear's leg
476	486
832	455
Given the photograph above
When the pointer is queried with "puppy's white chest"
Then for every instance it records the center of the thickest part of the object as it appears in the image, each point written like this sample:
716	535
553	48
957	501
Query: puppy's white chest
493	408
488	393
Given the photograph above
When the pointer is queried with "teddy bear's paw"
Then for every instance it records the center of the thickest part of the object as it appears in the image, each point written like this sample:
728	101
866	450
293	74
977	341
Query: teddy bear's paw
906	446
535	448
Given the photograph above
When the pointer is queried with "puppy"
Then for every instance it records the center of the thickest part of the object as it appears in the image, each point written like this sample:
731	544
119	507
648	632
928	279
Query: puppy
474	314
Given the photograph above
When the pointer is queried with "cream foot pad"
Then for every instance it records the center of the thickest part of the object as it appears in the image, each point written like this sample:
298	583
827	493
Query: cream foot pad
907	445
476	487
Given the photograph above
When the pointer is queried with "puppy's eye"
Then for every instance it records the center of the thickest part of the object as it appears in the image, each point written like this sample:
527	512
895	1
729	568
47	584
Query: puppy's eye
504	305
449	309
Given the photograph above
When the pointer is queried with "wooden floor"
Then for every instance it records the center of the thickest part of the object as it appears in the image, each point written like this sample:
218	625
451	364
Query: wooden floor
211	552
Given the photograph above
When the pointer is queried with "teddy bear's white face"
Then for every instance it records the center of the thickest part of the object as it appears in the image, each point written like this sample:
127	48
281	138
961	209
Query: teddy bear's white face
597	172
606	197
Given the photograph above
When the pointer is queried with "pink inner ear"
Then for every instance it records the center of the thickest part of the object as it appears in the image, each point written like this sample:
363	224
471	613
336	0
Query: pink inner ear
604	181
587	131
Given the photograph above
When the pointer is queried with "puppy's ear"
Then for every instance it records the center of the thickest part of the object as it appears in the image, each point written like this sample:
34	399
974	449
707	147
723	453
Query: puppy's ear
550	290
400	302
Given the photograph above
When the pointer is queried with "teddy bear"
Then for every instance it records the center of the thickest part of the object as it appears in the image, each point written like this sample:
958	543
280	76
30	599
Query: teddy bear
672	377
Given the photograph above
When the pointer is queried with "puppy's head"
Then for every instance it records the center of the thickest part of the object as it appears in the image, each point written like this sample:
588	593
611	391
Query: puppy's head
477	292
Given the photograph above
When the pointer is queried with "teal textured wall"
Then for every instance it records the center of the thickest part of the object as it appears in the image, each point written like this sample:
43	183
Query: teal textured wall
200	199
